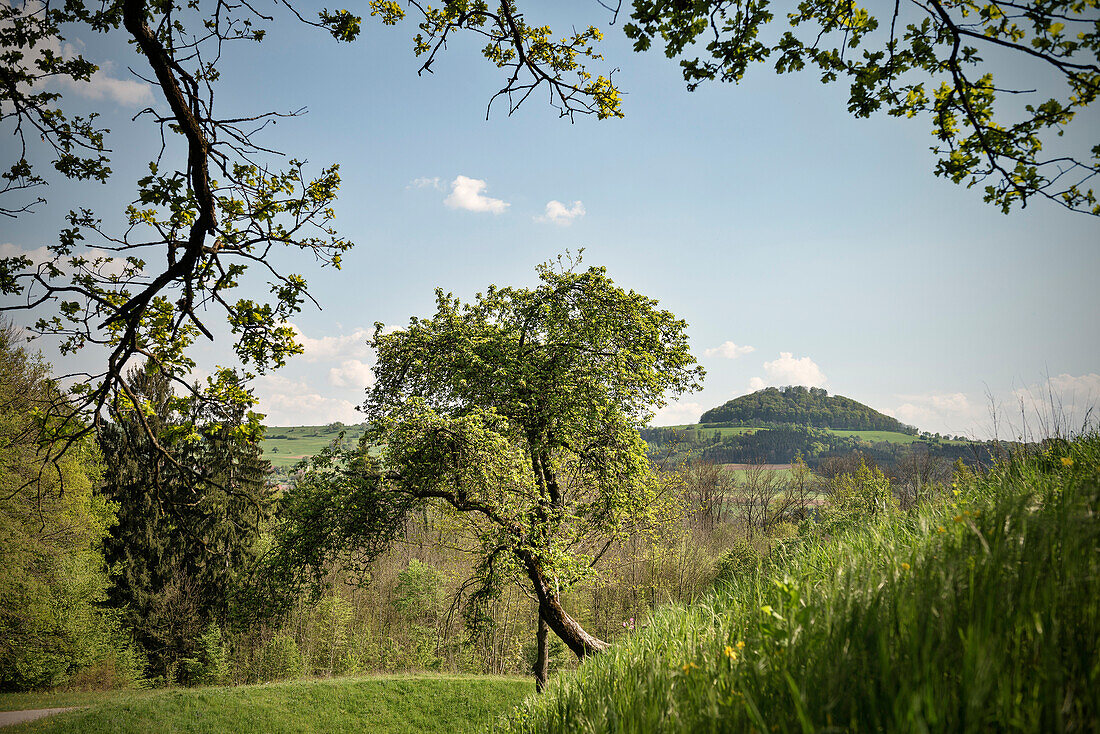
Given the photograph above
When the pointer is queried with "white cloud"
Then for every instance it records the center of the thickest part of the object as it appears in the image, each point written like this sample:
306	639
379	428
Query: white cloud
286	402
952	413
789	370
729	350
37	256
1059	404
675	414
561	215
466	193
351	373
102	85
331	348
324	384
425	183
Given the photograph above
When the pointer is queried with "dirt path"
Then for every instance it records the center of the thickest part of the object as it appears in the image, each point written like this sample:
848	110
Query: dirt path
8	718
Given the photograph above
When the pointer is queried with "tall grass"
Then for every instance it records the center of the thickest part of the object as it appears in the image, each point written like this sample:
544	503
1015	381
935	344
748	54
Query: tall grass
978	613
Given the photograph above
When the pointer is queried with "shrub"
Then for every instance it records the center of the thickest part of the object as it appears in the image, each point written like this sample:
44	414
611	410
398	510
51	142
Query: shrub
279	659
210	665
742	558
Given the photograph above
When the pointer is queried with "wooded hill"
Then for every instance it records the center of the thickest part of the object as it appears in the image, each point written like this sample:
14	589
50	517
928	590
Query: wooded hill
802	406
776	425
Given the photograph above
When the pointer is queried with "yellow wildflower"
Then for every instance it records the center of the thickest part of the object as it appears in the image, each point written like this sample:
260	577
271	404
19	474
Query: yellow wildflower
958	518
688	667
1067	461
740	645
904	566
939	529
731	653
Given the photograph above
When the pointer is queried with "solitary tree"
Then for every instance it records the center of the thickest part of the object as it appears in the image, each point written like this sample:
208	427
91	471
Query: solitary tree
518	412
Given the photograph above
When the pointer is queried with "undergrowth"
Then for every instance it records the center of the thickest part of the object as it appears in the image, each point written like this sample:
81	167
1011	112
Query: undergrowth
977	612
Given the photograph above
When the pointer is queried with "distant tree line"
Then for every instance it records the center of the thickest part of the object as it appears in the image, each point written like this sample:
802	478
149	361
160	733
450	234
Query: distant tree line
802	406
784	444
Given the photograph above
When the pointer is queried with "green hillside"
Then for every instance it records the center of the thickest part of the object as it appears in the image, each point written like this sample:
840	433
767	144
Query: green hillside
413	704
803	406
977	612
285	446
776	425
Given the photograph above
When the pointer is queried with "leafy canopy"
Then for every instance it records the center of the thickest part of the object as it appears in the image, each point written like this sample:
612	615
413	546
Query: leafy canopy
935	59
518	413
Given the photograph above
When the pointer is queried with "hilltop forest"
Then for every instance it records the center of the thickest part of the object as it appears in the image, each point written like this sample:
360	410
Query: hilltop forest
803	406
782	425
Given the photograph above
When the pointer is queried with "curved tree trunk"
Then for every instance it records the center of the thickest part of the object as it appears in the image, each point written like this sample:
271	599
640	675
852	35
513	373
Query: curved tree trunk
551	611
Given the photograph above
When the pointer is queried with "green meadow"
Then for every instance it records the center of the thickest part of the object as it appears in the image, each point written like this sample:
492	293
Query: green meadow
285	446
412	704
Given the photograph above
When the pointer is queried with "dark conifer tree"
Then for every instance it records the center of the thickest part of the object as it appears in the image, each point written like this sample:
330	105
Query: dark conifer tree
182	539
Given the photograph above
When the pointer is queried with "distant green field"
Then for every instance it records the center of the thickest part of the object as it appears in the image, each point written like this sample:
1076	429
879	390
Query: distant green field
410	704
877	436
869	436
285	446
888	437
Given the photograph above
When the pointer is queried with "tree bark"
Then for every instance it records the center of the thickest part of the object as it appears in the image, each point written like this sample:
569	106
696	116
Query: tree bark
542	660
550	609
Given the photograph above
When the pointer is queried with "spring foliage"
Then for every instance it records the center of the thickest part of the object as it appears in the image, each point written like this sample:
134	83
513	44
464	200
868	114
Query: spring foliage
52	576
517	412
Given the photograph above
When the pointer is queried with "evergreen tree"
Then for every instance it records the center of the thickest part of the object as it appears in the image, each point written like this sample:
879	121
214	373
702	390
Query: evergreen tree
182	539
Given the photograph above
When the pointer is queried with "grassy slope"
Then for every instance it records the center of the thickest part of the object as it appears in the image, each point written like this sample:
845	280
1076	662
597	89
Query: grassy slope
301	441
979	614
377	705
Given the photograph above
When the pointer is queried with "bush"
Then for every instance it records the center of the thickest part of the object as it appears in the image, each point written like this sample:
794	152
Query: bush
210	666
742	558
279	659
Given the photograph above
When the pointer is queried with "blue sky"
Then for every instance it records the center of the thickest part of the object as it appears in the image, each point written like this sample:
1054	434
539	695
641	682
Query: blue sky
763	214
